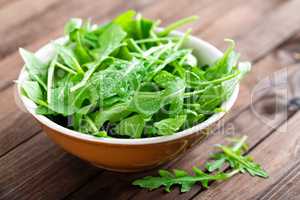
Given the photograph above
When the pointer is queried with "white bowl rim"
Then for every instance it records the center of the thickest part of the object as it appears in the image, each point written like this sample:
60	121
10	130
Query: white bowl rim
137	141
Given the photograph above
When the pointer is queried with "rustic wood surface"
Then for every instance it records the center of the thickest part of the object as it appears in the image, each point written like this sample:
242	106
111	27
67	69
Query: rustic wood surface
266	32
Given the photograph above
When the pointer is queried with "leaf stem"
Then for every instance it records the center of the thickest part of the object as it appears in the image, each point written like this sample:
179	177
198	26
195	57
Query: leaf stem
189	94
177	24
50	78
65	68
135	46
91	123
158	39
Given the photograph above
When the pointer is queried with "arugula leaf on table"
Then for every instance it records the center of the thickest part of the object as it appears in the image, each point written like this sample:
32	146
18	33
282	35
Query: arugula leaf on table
231	154
234	157
243	163
178	177
219	159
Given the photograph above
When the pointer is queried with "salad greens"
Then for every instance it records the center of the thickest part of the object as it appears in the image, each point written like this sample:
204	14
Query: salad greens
127	79
231	155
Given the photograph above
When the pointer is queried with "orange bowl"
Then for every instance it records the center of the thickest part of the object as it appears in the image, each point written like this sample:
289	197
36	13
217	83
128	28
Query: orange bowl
129	155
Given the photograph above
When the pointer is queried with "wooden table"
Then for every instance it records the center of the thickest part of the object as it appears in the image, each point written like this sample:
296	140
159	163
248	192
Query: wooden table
266	32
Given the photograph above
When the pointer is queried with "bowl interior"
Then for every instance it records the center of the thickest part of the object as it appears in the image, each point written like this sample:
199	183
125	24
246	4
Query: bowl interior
205	53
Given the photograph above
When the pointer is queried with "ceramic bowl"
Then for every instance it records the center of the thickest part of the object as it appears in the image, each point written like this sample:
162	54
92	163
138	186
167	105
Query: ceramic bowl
129	155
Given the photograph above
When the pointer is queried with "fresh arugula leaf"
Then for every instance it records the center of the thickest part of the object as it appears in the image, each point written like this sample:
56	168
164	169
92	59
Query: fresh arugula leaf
230	154
170	126
72	25
36	69
178	177
125	70
113	114
243	163
33	91
68	57
132	126
110	40
177	24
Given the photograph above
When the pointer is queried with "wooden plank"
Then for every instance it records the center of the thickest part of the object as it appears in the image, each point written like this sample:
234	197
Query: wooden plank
257	37
287	186
278	154
17	12
16	124
49	173
47	22
239	21
4	3
204	9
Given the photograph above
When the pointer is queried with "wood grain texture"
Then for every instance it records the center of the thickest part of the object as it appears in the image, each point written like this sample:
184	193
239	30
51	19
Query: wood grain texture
38	169
287	187
33	167
25	9
278	154
31	29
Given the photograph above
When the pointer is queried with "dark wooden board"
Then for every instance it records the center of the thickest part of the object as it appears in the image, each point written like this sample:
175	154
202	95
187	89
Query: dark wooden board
32	167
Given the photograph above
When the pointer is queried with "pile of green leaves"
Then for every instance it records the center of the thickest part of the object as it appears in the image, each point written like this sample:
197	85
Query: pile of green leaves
231	155
126	79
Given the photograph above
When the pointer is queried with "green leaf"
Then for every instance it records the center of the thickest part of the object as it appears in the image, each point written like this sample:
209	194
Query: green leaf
36	69
164	79
110	40
146	103
233	156
115	113
68	57
125	20
225	64
62	100
170	126
242	163
177	24
81	51
33	91
132	126
183	179
50	78
123	71
72	25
